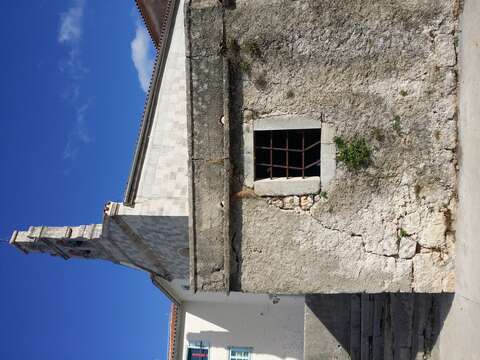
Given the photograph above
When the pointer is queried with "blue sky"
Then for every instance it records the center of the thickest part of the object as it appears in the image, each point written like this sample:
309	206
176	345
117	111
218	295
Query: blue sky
73	78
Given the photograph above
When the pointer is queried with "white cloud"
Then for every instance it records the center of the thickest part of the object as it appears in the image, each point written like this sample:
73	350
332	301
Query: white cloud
70	36
79	134
142	55
71	23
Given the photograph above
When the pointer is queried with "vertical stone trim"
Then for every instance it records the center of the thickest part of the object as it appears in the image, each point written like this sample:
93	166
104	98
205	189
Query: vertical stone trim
191	189
328	150
208	145
227	236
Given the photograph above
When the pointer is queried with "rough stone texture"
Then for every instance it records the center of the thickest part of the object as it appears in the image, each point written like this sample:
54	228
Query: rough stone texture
381	70
289	251
208	164
375	326
407	248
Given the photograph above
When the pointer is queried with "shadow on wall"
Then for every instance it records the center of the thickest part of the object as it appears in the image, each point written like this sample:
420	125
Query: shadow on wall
273	330
374	326
220	342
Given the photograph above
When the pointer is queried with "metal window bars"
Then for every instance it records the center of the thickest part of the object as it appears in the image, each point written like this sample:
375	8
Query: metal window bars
287	153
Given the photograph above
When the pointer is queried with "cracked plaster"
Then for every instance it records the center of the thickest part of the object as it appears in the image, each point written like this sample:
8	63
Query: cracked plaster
363	65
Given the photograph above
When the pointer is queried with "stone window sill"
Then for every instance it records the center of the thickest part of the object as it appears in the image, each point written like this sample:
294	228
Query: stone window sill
286	187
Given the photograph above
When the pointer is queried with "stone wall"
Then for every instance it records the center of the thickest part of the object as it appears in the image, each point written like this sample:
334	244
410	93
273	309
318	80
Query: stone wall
383	71
374	326
209	171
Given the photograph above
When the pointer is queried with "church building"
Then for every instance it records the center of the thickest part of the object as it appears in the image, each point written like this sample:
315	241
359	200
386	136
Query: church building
293	189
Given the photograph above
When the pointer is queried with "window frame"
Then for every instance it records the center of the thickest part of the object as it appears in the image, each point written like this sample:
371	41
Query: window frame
300	150
240	349
197	344
292	185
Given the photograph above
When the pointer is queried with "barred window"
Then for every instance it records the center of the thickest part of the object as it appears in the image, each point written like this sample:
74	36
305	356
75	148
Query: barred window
239	354
287	153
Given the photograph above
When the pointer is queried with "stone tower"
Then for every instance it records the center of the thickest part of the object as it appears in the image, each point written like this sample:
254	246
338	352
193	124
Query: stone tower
152	243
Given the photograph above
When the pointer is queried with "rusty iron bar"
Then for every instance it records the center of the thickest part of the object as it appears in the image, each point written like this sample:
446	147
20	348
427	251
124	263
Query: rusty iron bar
277	148
286	150
271	154
313	145
290	167
303	154
291	150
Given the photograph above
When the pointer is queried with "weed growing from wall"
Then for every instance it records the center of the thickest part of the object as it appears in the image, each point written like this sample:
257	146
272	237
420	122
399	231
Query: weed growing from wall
396	124
355	154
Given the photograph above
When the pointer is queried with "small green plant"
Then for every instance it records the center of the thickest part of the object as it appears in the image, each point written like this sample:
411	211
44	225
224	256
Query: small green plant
403	93
378	134
402	233
252	49
396	124
323	195
290	94
355	154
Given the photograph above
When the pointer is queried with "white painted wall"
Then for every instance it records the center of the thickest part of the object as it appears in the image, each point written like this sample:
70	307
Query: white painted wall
274	331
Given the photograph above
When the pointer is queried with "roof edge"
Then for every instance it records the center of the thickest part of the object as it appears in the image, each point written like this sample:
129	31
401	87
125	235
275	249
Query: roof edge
154	14
141	9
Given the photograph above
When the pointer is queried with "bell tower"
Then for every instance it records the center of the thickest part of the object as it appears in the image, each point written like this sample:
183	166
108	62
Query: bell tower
153	243
67	242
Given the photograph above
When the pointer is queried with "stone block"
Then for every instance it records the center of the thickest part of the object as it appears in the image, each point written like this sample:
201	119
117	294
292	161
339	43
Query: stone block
407	248
207	131
204	25
328	133
289	122
290	186
328	163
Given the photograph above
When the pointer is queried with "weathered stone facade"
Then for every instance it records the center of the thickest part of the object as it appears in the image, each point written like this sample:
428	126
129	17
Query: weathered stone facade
383	71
